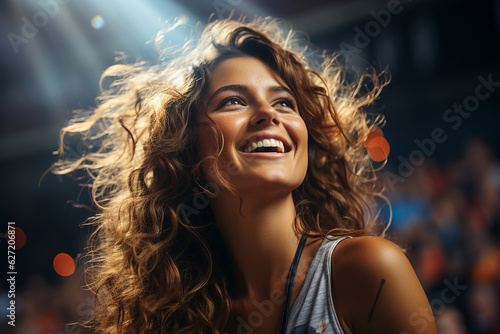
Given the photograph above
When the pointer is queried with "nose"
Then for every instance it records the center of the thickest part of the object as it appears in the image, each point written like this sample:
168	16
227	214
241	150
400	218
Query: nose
265	114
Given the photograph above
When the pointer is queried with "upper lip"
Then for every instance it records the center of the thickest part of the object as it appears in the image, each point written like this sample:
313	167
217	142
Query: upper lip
262	136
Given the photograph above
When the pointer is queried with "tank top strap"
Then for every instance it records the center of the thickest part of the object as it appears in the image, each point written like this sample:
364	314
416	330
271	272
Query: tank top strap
313	307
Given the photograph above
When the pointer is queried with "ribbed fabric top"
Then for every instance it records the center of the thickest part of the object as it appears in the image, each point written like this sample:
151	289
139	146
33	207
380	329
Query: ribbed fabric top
313	310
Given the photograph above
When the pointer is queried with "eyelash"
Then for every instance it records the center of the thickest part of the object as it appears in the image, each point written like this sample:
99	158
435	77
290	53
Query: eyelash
232	97
288	100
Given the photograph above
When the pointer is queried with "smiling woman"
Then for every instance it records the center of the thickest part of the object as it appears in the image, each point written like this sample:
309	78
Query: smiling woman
265	138
225	178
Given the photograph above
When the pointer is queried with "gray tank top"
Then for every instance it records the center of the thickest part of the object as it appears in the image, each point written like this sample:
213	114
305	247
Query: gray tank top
313	311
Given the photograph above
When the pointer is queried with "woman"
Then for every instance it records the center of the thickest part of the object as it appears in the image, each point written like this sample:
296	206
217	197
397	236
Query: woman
226	176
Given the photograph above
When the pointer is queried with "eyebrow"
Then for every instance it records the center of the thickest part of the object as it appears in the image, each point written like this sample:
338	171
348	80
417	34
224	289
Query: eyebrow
242	88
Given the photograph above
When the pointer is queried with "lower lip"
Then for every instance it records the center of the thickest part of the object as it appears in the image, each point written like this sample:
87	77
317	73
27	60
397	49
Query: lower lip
265	155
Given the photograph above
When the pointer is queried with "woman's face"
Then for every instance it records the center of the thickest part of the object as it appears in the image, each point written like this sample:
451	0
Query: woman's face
265	138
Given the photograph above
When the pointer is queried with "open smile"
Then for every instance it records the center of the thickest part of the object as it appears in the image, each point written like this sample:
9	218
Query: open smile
265	144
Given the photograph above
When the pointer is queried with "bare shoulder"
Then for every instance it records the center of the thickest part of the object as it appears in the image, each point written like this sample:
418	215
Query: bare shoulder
376	290
367	253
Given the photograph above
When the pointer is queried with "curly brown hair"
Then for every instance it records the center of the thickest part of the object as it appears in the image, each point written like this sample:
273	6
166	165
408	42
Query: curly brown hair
158	263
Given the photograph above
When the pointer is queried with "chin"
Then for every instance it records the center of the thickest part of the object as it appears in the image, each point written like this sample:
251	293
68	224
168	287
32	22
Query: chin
273	184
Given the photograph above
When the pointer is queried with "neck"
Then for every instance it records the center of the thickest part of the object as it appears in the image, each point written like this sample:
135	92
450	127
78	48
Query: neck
260	239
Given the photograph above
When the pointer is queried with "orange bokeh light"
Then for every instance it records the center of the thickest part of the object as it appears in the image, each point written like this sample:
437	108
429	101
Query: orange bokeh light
378	149
375	133
64	264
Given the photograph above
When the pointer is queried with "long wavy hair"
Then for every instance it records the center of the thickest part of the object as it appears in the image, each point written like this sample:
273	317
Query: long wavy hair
157	260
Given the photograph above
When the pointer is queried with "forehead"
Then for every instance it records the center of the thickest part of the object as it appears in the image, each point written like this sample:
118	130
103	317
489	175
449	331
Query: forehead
248	71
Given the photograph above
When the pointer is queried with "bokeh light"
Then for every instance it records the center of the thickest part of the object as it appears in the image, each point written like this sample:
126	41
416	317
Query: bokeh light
377	146
97	22
20	238
376	132
64	264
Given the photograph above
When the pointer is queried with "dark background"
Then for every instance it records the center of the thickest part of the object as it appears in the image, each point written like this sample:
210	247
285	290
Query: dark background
435	51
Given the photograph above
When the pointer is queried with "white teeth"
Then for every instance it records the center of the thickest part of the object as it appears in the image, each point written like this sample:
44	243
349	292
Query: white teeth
265	143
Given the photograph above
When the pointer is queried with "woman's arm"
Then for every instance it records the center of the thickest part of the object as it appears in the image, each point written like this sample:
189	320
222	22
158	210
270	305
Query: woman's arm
375	289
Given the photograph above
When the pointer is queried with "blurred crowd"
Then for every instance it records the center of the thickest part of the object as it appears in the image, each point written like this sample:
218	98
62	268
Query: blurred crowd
446	216
44	307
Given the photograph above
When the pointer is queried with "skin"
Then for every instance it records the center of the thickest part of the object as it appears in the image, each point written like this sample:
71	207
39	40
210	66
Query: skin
261	240
358	267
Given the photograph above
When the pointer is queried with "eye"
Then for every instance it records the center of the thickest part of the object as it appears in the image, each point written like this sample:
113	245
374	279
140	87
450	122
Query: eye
286	103
231	101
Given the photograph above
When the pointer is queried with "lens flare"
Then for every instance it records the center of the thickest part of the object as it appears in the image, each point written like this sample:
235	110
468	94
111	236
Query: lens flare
97	22
181	19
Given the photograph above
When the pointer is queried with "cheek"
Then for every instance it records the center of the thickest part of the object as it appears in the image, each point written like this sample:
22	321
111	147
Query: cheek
210	140
304	134
229	126
298	129
302	139
207	141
